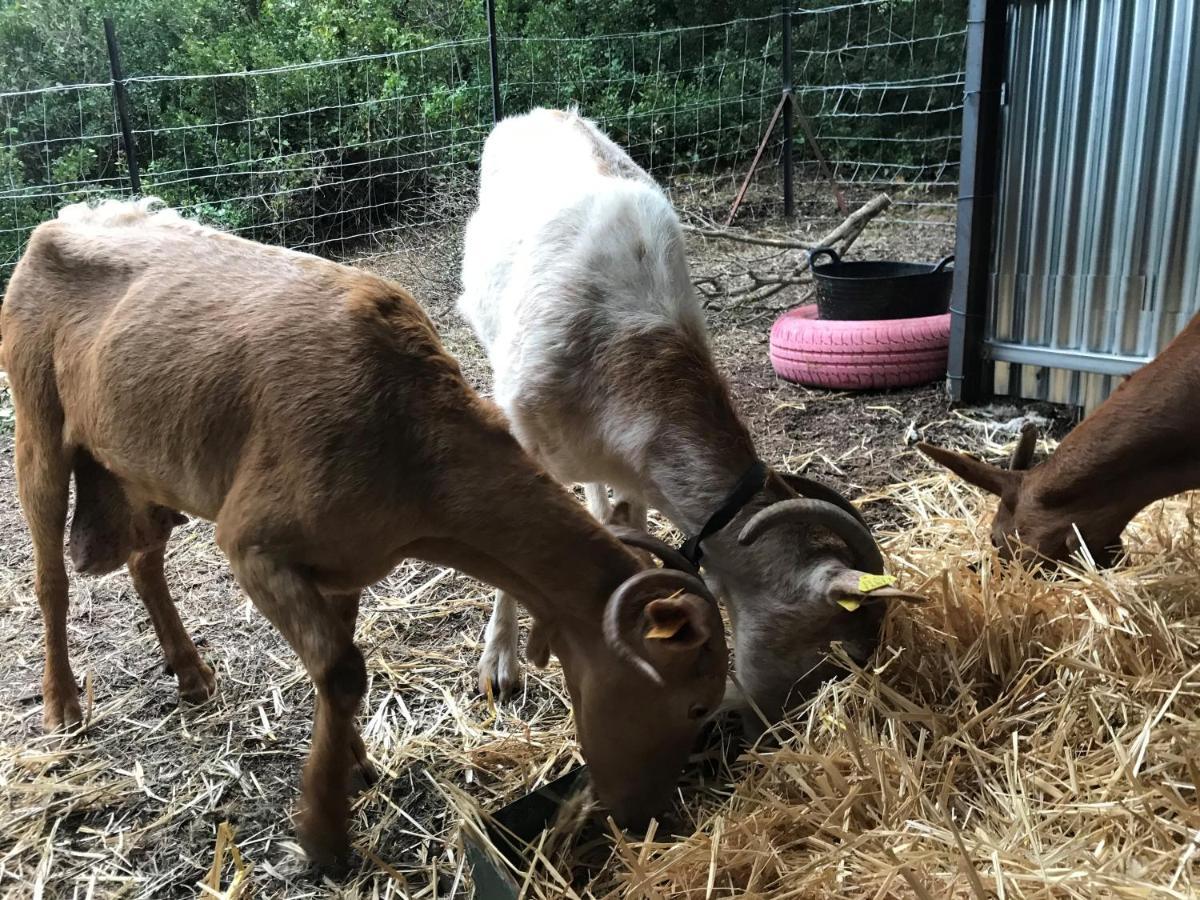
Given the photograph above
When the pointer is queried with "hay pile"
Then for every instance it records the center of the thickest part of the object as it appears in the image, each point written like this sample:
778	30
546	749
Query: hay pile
1020	737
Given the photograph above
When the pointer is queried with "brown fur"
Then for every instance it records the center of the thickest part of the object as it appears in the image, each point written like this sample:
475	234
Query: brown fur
310	411
671	370
1140	445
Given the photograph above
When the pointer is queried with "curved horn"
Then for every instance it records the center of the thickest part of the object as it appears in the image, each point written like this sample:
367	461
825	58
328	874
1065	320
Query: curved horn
631	597
825	515
806	487
671	558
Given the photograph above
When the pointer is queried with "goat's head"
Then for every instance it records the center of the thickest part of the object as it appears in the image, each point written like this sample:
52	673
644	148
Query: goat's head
1029	524
789	614
643	689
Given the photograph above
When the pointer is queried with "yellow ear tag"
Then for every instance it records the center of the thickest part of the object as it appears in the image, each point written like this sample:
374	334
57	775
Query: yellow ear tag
868	583
664	631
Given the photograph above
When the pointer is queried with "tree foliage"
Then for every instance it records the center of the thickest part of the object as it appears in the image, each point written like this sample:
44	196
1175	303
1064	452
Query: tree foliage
307	154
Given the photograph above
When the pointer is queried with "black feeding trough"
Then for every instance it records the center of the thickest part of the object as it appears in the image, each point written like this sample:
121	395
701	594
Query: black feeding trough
857	291
511	830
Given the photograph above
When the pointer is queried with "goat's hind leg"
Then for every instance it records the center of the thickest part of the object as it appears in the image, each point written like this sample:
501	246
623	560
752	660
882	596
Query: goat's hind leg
197	682
107	531
43	483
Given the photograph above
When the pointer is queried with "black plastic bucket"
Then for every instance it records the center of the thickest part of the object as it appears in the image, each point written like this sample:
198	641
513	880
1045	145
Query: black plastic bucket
880	290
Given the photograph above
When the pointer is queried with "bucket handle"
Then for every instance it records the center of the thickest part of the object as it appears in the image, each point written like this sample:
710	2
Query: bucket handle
814	255
943	262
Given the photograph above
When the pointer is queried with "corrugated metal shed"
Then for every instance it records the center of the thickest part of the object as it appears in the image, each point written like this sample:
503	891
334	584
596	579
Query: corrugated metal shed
1096	261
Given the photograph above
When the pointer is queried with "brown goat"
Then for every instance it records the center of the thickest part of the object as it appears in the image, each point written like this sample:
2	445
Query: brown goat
310	411
1139	446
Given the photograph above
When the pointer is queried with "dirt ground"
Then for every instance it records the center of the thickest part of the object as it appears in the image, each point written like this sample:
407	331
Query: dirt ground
133	806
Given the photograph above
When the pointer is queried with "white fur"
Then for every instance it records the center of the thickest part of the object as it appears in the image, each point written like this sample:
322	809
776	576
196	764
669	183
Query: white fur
575	248
142	218
555	236
567	223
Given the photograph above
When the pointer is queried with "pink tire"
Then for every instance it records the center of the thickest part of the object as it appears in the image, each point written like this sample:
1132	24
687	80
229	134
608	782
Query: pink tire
859	355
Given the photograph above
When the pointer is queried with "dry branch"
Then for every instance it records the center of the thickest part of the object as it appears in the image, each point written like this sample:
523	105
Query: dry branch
764	286
728	235
854	222
857	220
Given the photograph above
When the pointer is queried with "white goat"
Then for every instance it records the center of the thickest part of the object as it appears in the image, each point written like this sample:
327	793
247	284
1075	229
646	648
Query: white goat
574	279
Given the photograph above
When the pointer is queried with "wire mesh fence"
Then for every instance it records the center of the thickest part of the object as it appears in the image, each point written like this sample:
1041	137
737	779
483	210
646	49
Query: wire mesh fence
336	156
882	84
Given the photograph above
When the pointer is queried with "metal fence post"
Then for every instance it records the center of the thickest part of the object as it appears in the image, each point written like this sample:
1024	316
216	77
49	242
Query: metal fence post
789	199
493	53
118	83
969	375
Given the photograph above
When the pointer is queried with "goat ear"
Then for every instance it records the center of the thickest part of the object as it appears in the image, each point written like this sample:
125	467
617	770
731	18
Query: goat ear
992	479
676	622
1023	453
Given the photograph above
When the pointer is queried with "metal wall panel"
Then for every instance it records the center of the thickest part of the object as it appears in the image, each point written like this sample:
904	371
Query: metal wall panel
1096	260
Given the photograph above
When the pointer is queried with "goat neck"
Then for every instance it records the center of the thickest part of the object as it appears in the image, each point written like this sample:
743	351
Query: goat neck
1138	447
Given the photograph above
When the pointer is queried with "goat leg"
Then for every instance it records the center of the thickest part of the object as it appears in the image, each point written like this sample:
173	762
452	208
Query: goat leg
196	679
362	772
316	628
499	668
43	483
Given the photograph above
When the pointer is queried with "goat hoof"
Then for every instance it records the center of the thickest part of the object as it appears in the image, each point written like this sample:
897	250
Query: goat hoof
61	713
499	672
327	847
197	684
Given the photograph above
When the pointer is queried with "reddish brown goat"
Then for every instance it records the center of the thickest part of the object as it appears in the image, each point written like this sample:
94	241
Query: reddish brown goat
1139	446
310	411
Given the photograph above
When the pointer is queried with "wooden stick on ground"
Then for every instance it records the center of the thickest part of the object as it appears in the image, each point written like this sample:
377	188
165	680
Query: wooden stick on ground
857	220
746	238
854	222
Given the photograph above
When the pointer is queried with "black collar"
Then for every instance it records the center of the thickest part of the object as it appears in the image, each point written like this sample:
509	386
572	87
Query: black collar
751	482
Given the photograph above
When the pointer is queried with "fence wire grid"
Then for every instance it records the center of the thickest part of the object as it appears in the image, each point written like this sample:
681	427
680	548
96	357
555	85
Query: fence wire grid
337	156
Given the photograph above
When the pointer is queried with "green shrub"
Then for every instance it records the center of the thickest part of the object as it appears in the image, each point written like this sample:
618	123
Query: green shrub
322	155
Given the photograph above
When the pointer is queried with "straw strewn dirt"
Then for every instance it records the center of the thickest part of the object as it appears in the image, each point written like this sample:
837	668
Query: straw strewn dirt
1018	737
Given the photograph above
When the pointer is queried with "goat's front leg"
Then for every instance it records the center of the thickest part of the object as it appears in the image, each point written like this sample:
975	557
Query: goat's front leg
499	667
320	630
595	494
362	773
196	679
629	510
